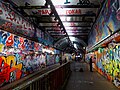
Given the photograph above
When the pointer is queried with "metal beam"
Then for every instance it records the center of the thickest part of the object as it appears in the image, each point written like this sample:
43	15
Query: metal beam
68	28
80	15
65	26
33	7
58	29
79	22
78	29
67	21
74	33
79	35
70	31
83	34
77	6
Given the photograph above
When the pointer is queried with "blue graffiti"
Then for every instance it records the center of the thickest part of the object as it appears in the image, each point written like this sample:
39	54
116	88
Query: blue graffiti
16	41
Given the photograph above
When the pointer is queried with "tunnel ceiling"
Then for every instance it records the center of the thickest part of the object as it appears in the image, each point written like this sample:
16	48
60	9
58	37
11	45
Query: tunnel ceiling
61	18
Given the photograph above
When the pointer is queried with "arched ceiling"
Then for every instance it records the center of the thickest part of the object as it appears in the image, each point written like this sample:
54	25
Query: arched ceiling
64	43
62	19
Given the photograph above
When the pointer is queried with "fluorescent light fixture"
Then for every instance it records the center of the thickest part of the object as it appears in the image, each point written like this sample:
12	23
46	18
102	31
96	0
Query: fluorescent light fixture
72	38
48	6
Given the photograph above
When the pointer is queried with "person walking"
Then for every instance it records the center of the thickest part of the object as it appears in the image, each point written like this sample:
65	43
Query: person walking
90	62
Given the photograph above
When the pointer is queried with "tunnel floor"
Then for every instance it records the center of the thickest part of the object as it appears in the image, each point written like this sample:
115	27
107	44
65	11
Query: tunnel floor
87	80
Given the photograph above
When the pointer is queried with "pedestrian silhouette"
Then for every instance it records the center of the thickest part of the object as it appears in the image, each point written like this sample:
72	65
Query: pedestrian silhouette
90	62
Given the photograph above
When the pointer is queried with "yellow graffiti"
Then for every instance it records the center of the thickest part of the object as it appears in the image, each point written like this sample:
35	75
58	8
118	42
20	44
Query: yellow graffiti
3	58
11	60
1	47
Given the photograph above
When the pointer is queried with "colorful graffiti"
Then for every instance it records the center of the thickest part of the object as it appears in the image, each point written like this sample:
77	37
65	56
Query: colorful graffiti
10	69
107	23
50	59
108	62
13	22
20	57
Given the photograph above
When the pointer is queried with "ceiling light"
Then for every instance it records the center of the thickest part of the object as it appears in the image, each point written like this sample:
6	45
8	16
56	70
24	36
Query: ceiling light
72	38
57	20
48	6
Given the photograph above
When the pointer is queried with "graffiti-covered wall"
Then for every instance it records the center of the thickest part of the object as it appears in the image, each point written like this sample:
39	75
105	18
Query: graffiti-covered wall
107	55
13	21
20	57
107	22
16	57
107	62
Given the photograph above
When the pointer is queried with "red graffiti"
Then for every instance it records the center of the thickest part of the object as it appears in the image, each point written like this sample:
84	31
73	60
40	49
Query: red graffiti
9	69
7	25
44	12
36	45
4	68
21	45
25	27
10	41
11	16
21	40
70	12
19	27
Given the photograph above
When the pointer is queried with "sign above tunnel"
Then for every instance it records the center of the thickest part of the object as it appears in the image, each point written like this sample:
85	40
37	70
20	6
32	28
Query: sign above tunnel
55	2
66	11
72	2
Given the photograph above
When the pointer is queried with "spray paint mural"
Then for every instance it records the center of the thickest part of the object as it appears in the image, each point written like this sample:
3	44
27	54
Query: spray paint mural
107	62
12	21
107	56
107	23
19	57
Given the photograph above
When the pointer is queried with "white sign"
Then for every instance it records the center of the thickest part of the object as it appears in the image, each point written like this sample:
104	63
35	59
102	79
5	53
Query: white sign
68	11
55	2
65	11
66	24
73	2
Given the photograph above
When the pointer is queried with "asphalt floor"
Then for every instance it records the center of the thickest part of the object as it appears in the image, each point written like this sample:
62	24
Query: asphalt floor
87	80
